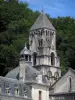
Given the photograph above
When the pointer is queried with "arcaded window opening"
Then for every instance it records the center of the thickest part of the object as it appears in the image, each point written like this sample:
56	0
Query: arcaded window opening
26	57
41	42
34	58
52	59
49	74
56	75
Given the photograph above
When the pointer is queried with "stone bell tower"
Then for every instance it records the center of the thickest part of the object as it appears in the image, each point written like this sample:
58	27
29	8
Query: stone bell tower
42	41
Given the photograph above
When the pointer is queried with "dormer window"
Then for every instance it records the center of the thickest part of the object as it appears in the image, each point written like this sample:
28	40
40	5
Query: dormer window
16	91
8	91
25	92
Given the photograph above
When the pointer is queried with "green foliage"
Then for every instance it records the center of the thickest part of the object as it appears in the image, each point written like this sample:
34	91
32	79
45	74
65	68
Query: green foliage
66	41
15	21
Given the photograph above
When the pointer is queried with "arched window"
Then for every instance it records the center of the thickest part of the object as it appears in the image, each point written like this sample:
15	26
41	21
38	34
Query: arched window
41	42
56	75
49	74
26	57
70	83
40	95
52	59
34	58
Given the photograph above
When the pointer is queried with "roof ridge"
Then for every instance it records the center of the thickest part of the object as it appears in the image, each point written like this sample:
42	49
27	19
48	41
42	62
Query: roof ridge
63	76
71	69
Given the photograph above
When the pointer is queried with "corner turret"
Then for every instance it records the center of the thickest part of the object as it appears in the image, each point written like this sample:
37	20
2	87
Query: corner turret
25	59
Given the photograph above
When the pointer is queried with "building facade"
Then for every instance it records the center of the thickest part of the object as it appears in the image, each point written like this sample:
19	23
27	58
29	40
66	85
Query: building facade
38	76
64	88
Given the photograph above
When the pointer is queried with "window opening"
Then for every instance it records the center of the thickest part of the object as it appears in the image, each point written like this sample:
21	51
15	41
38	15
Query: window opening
40	95
26	57
52	59
7	90
70	84
49	74
56	75
41	42
34	58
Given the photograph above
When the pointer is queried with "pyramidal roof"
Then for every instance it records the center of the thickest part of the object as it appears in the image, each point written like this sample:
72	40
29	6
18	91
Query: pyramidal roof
42	22
25	51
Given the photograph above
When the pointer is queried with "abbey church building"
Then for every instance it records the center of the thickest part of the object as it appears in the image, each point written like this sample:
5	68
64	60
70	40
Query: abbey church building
38	76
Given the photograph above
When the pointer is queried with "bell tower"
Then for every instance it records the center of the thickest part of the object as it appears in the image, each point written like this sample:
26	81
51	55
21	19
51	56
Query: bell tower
42	41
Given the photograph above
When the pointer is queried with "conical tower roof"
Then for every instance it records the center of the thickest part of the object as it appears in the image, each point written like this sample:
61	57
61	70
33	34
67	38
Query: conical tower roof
25	51
42	22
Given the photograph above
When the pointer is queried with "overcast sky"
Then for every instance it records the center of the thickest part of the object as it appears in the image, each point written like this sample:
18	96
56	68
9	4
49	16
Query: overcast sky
54	8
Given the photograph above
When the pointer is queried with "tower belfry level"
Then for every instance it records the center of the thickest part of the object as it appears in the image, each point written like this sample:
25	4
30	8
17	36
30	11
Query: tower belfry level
42	41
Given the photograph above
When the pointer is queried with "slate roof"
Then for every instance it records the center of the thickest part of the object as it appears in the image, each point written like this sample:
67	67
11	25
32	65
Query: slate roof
30	75
42	22
13	73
